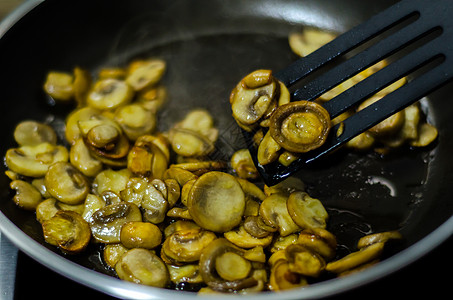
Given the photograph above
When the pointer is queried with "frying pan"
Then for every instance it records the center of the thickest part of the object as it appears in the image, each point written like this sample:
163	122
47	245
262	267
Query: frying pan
209	45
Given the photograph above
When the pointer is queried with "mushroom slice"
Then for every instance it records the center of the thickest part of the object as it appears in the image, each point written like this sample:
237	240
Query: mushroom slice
216	201
34	161
180	175
300	126
30	133
106	222
274	213
140	235
185	245
319	241
109	93
143	74
59	86
268	150
66	183
309	40
72	131
146	158
387	127
186	273
135	188
153	98
67	230
209	267
303	261
427	134
282	278
255	97
232	266
27	196
305	211
190	143
251	190
381	237
243	239
80	157
154	201
355	259
111	180
46	209
281	242
251	226
243	165
91	205
142	266
112	254
82	84
135	120
200	121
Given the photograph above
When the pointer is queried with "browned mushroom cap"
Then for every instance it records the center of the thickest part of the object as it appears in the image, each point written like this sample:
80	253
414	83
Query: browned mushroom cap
210	267
66	183
186	244
142	266
300	126
254	97
67	230
34	133
216	201
106	222
306	211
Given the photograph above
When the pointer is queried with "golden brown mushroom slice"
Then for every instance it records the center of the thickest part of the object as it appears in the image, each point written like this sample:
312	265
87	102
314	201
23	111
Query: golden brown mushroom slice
146	158
307	212
140	235
34	133
72	132
59	85
300	126
109	93
319	241
67	230
66	183
145	73
216	201
142	266
80	157
304	261
34	161
242	164
106	222
282	278
27	196
112	253
224	268
135	120
274	213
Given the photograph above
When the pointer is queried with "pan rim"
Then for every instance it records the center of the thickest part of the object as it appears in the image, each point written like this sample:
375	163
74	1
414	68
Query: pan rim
115	287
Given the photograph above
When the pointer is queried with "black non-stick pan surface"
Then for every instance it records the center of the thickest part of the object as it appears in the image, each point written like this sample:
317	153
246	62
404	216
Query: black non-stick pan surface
209	45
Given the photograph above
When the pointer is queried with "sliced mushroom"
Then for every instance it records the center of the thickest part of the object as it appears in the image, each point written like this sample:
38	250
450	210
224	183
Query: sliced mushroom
427	134
363	141
46	209
381	237
355	259
251	226
216	201
268	150
287	186
140	235
232	266
109	93
109	179
112	254
27	196
274	212
34	161
107	221
72	131
255	97
200	121
181	176
307	212
243	165
142	266
309	40
67	230
251	191
186	244
80	157
179	213
387	127
59	85
92	204
154	201
146	159
173	191
81	84
31	133
135	120
242	238
282	278
319	241
65	183
300	126
152	98
304	261
190	143
210	266
186	273
143	74
134	191
281	242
